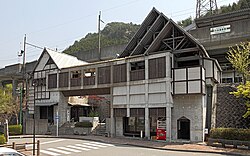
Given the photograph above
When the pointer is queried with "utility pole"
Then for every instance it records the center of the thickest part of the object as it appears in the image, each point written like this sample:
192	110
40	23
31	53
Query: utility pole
23	82
99	36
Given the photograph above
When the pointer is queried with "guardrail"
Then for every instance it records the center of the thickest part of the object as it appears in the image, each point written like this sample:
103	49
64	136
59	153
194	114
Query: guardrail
224	142
21	147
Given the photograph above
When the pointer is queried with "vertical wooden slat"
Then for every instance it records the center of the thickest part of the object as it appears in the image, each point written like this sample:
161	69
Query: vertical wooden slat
157	68
64	79
104	75
52	81
120	73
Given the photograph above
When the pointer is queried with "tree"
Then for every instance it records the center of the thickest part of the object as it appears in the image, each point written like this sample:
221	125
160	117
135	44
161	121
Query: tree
9	106
185	22
114	33
239	57
243	90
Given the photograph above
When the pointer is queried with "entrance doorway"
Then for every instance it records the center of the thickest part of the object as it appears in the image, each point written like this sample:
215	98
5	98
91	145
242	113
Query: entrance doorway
183	125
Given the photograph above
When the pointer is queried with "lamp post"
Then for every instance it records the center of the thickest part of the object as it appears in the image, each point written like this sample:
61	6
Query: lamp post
34	121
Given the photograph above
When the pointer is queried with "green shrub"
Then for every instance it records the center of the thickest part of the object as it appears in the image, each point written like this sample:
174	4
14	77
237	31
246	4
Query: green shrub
84	124
230	134
2	139
93	114
15	129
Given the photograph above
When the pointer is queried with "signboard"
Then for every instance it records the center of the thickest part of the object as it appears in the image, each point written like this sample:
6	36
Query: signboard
206	131
220	29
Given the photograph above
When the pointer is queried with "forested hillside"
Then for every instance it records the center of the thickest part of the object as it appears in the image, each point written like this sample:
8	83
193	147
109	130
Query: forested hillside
113	33
119	33
241	4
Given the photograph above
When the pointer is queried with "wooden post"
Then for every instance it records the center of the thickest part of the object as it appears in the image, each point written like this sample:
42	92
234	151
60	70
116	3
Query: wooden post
38	147
14	145
6	130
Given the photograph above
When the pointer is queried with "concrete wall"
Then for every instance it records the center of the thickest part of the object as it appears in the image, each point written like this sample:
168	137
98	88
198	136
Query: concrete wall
106	53
119	126
41	126
192	107
63	109
240	31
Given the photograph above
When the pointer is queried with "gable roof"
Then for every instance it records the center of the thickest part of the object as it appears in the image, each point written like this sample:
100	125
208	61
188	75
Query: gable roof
61	60
159	33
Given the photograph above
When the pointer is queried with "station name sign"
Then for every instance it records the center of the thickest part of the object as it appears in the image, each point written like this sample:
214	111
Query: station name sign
220	30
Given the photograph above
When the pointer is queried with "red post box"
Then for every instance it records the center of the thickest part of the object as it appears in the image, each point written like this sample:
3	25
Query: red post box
160	134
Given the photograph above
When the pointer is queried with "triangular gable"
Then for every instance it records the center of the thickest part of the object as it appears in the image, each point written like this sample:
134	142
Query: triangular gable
42	61
159	33
152	16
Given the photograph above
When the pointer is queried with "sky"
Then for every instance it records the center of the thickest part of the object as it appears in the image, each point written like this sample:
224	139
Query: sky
56	24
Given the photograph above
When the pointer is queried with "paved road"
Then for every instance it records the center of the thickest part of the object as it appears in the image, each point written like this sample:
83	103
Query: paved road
74	147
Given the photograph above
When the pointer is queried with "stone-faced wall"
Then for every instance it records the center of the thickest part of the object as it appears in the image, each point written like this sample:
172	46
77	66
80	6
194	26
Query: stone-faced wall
193	108
229	109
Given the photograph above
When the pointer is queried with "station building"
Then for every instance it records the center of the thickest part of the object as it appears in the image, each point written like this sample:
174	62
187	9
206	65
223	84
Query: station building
160	80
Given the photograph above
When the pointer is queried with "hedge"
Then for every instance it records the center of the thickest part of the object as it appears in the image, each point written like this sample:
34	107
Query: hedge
15	129
230	134
2	139
84	124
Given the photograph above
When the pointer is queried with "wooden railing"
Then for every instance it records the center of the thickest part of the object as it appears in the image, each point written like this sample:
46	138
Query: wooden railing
137	75
74	82
89	80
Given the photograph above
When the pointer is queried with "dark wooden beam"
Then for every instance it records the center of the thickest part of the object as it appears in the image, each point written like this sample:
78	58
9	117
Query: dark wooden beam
185	50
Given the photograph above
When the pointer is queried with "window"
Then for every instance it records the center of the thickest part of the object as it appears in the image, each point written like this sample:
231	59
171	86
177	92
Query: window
137	71
52	81
76	74
157	68
89	72
137	65
120	73
134	125
47	112
238	79
40	82
227	80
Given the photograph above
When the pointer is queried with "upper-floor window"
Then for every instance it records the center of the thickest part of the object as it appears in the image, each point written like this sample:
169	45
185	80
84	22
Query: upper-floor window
40	82
89	72
137	65
227	80
137	71
76	74
89	76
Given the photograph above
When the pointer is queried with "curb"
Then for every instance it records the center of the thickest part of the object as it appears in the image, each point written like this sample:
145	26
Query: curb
130	144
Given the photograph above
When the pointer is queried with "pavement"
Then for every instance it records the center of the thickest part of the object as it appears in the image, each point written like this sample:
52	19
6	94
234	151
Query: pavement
161	145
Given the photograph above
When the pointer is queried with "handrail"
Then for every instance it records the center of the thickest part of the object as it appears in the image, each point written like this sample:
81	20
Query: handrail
22	146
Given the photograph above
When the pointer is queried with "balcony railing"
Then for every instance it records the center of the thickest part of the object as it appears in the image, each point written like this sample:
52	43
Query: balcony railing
89	80
137	75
